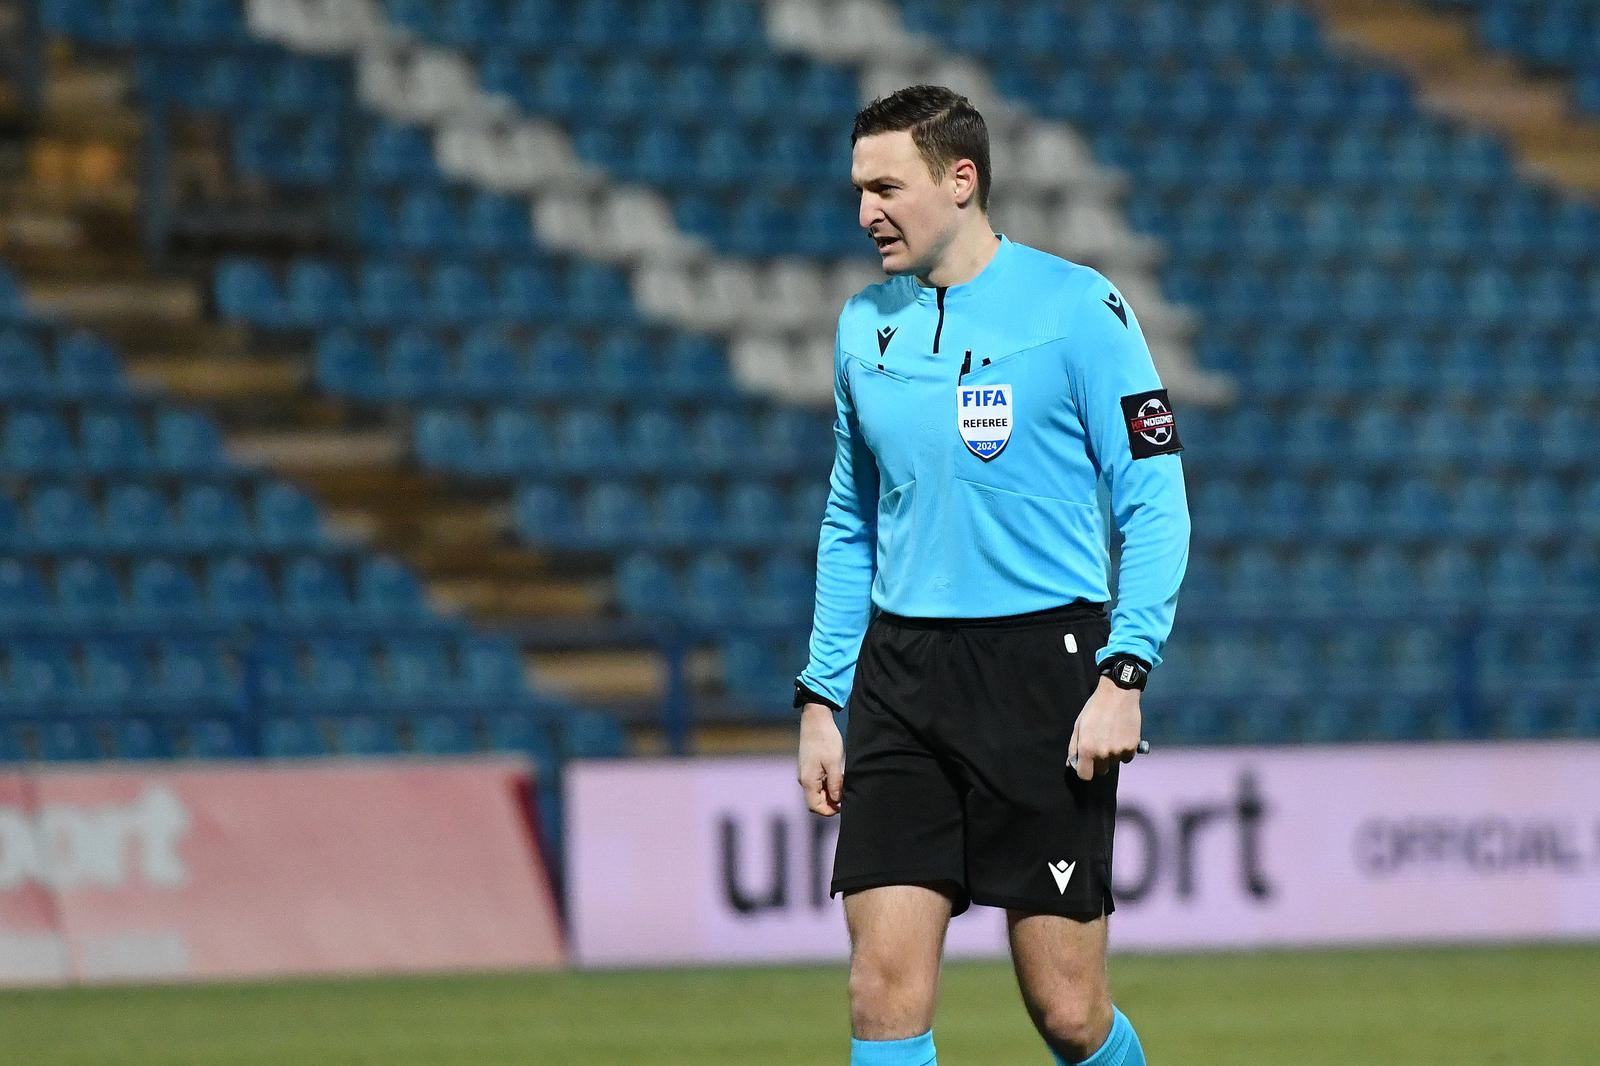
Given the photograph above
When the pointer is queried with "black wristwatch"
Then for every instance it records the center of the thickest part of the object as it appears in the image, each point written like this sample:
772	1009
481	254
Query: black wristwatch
803	694
1125	671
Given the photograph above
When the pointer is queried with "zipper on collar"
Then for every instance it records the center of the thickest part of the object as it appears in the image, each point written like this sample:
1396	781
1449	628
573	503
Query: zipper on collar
939	295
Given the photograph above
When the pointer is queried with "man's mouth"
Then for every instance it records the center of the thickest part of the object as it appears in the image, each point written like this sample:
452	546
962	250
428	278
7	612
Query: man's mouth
885	242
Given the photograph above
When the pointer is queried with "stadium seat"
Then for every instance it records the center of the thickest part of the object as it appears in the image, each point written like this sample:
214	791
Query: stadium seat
291	738
164	591
443	735
314	588
365	735
286	519
386	589
87	591
136	518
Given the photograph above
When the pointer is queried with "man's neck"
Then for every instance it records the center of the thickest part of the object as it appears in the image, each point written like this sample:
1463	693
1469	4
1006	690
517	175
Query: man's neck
964	258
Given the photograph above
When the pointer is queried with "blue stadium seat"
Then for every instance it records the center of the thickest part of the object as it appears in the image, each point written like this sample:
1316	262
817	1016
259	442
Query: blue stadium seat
347	366
212	517
416	668
387	589
646	587
187	442
417	367
491	366
340	672
247	292
624	365
138	739
23	374
589	735
526	292
615	516
67	741
585	441
216	738
237	590
22	592
523	734
164	591
516	441
286	518
317	294
114	442
546	514
440	734
653	439
116	673
491	668
447	440
557	361
716	591
388	294
270	671
88	368
686	513
458	294
753	515
61	517
721	440
37	442
87	591
314	589
394	155
785	590
365	735
189	670
291	738
43	675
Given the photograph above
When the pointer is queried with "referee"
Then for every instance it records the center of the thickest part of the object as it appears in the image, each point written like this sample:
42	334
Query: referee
983	391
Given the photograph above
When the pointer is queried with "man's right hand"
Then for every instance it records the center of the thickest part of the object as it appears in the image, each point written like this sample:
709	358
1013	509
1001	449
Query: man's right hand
821	759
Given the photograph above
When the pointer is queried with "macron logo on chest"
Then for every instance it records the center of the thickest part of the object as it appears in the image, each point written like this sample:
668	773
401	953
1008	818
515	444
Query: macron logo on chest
984	416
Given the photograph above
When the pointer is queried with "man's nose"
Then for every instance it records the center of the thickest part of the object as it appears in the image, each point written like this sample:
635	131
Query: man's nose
869	213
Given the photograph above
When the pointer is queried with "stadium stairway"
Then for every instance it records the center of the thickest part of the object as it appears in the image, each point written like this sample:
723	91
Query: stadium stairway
1438	46
70	227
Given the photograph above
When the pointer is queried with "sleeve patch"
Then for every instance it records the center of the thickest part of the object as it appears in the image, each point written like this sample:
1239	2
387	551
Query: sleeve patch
1152	428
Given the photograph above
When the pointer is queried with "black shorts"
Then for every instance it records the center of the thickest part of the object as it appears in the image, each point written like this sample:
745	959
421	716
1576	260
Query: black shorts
955	763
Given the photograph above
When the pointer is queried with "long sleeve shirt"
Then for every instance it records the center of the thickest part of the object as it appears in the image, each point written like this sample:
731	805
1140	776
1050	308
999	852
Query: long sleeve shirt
974	425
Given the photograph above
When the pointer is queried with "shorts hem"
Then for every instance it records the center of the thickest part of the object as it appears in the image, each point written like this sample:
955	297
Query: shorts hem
960	900
1034	906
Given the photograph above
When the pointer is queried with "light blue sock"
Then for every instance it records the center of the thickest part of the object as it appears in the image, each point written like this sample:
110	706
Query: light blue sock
1120	1049
912	1051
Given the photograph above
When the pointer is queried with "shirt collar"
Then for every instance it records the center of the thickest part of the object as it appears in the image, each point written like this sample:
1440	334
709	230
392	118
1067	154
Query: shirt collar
985	280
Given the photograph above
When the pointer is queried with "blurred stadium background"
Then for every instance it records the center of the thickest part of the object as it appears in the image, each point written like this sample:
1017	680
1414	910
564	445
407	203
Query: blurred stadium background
430	378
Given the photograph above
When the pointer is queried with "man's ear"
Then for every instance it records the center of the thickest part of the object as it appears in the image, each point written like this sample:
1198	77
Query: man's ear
964	176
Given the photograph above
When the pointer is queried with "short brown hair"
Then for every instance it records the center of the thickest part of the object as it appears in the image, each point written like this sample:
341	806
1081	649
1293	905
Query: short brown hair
944	126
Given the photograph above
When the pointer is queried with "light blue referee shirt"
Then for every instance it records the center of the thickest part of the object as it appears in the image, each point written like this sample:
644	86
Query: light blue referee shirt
974	424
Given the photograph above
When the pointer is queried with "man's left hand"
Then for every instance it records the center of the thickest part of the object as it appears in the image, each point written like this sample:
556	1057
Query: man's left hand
1107	730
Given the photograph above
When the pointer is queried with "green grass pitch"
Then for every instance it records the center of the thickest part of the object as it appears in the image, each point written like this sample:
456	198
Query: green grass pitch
1435	1007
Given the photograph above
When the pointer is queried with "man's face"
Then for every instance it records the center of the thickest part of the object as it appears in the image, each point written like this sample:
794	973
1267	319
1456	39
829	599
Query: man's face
909	215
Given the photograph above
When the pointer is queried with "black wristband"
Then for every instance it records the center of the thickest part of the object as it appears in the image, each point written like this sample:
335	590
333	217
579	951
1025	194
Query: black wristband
1125	671
804	694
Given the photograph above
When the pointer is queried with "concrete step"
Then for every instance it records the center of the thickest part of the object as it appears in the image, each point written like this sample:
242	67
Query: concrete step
1458	78
493	598
331	456
608	675
93	302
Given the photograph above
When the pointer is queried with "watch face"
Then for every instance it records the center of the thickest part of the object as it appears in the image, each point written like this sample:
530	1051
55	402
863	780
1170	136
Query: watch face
1127	673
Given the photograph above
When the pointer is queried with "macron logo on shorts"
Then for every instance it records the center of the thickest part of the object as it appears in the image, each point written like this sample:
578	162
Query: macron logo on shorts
1062	872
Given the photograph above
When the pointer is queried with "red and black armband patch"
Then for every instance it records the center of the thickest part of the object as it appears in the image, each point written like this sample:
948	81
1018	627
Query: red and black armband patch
1152	429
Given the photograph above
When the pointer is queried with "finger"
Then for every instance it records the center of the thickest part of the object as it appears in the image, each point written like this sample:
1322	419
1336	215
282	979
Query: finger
834	784
1086	766
1072	749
